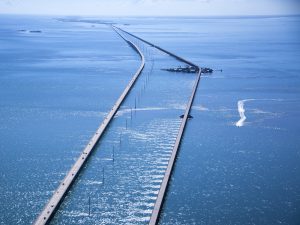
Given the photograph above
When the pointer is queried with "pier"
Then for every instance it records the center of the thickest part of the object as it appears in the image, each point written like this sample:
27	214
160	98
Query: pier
58	196
164	185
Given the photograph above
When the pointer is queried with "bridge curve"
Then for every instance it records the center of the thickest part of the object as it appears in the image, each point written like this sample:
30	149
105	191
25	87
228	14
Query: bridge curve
159	48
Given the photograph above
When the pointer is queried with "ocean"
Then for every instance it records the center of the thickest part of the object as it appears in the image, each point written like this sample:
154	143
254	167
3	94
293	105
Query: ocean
239	158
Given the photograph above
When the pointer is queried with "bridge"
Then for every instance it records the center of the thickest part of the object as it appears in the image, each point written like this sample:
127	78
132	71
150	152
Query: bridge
57	198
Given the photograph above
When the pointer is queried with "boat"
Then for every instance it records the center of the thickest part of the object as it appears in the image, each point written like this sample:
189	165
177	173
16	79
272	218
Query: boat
189	116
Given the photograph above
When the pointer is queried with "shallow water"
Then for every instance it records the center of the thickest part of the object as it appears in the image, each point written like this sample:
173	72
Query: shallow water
224	174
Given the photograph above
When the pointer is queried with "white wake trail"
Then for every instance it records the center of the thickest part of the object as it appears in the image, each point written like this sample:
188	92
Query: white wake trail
242	110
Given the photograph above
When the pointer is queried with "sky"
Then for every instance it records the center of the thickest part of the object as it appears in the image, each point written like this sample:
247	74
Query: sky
151	7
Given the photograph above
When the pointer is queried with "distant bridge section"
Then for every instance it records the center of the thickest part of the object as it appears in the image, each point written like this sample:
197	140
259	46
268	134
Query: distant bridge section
159	48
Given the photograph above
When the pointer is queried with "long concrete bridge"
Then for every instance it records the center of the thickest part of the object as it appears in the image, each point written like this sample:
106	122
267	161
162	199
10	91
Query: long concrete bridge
57	198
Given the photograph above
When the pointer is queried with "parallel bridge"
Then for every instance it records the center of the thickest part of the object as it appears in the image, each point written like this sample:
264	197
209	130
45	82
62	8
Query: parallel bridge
52	206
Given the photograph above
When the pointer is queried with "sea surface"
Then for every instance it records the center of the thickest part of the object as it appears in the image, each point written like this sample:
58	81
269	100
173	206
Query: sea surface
239	161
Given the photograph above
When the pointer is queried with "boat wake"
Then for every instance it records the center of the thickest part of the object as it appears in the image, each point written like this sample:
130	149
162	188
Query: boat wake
241	109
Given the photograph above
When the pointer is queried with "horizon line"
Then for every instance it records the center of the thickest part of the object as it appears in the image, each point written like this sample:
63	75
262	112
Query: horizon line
151	16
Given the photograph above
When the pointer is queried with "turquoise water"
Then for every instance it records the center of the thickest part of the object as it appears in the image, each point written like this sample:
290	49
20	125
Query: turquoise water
56	87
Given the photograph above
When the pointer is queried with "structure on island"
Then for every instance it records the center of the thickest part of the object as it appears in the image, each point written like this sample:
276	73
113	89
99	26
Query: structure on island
189	69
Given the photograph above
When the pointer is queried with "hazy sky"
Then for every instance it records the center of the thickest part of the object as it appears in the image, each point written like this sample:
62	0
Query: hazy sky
151	7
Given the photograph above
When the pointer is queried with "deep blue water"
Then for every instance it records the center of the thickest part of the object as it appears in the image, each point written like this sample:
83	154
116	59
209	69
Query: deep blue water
58	85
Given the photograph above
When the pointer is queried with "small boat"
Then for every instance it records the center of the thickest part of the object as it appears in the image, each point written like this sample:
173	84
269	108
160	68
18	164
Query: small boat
189	116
